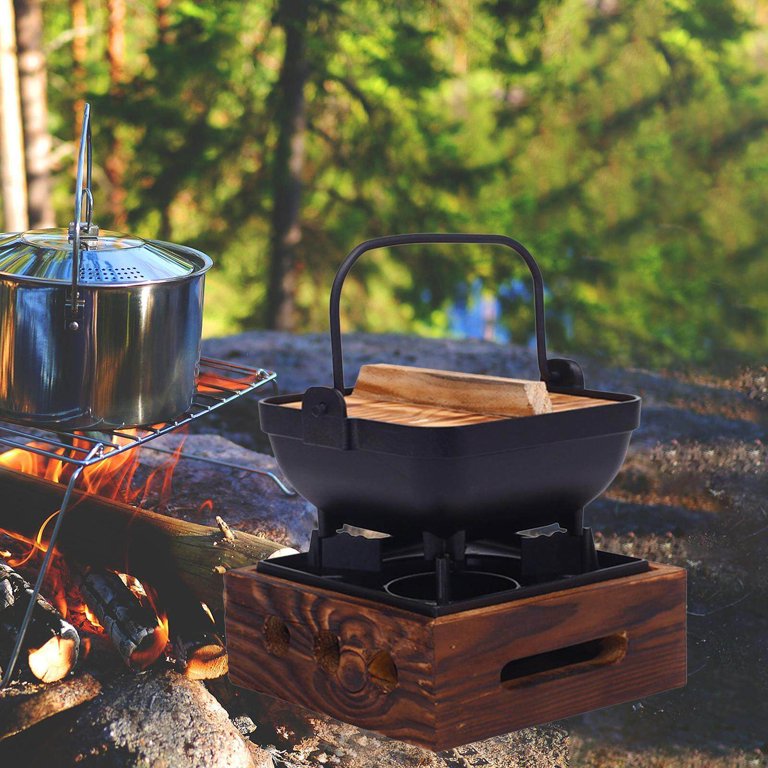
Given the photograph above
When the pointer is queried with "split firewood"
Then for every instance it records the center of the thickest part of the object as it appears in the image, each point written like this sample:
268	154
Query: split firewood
202	656
133	628
51	645
108	534
21	709
464	391
200	652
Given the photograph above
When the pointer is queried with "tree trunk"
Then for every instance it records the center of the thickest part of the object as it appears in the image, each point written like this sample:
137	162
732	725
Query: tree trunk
164	38
116	163
163	21
285	227
78	13
14	186
33	79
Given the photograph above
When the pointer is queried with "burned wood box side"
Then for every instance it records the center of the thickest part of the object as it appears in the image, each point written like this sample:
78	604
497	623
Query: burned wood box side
544	658
361	662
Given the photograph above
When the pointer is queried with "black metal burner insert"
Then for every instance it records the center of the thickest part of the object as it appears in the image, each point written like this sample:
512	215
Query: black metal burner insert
436	576
461	585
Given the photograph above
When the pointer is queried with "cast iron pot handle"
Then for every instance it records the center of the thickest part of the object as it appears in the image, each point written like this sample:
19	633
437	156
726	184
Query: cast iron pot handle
564	373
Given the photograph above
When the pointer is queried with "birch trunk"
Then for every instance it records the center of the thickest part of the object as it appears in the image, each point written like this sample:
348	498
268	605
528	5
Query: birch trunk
34	110
14	183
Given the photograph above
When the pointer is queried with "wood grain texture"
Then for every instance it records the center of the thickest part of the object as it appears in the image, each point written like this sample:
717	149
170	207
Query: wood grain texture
346	686
650	608
420	415
438	682
25	706
492	395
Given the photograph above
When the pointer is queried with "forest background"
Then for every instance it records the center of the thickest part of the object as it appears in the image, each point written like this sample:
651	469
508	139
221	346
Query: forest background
625	143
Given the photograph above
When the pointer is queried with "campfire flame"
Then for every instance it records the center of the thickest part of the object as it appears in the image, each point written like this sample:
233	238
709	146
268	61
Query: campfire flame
92	618
113	478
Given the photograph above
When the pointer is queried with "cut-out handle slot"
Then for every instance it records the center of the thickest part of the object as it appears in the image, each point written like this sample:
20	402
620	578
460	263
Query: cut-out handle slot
563	662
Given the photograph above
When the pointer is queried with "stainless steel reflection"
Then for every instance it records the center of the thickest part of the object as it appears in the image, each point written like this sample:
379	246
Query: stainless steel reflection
107	257
133	361
97	329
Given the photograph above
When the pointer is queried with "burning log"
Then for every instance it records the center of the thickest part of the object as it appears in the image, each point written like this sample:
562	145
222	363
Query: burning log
133	628
199	651
156	549
52	643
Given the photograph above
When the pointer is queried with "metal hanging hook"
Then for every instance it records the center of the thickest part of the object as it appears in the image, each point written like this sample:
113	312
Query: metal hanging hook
88	199
80	230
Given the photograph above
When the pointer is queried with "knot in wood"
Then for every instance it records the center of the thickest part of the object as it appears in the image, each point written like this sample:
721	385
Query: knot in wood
277	637
383	671
327	652
353	671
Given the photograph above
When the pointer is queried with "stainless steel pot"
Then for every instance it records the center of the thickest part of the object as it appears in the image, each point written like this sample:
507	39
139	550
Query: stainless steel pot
97	329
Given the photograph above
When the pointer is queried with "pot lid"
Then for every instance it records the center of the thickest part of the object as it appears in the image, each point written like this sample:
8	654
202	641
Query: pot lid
108	258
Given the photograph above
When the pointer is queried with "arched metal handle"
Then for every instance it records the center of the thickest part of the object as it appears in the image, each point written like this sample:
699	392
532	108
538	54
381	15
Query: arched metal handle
76	228
414	239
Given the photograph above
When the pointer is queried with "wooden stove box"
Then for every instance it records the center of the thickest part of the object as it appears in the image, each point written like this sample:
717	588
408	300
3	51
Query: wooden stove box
441	682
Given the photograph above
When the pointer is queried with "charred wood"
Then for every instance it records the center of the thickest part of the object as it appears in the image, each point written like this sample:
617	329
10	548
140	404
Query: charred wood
51	645
134	628
199	651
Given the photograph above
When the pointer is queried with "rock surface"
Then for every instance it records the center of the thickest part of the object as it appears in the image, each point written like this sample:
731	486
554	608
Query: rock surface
298	738
156	719
248	501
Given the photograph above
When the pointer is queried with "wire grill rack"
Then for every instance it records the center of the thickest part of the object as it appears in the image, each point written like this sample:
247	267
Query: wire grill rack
219	383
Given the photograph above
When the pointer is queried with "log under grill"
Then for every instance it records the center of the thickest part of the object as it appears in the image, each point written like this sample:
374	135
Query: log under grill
149	583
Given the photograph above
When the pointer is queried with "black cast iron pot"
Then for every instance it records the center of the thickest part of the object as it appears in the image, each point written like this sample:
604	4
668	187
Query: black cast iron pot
394	478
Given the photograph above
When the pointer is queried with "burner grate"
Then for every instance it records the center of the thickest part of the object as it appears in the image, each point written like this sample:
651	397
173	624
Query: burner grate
462	585
407	575
219	383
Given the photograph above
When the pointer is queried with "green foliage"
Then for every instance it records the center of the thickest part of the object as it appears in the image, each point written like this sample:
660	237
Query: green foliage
624	142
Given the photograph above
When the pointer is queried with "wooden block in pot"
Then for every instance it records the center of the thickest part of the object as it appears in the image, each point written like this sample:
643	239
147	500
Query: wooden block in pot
475	393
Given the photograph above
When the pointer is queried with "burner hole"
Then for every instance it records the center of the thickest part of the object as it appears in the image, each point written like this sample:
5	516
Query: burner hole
327	652
277	636
463	585
562	662
383	671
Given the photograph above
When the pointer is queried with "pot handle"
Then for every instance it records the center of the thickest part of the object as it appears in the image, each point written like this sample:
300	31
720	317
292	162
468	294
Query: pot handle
557	372
78	228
